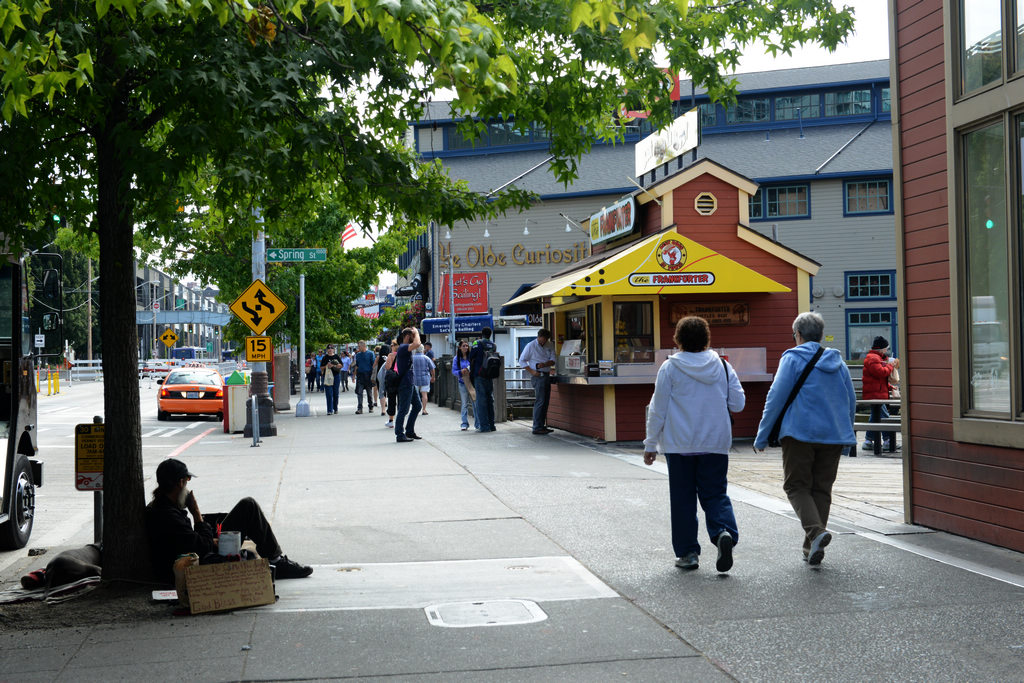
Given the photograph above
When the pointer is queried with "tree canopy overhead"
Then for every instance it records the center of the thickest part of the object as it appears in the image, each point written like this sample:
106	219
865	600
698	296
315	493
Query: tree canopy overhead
124	112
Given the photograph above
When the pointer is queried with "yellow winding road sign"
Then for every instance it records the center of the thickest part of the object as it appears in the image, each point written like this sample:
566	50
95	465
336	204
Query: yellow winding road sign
258	307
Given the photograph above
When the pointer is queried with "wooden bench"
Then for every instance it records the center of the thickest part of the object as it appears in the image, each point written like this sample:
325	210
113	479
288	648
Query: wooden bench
892	424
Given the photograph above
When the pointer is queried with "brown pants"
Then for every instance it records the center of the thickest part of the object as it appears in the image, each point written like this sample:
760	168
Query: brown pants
810	470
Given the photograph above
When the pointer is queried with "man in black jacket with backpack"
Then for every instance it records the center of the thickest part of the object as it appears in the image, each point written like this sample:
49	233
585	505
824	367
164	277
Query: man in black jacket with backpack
484	366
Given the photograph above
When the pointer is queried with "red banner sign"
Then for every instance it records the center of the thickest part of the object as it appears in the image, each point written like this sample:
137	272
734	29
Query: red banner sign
470	294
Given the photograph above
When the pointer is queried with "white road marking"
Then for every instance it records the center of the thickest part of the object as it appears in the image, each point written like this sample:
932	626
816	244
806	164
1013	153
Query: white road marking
404	585
155	431
173	432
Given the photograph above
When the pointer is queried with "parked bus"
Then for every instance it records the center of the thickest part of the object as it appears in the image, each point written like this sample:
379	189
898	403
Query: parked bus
24	337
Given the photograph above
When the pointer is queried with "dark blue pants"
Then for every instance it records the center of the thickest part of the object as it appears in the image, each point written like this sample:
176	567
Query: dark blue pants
699	477
484	406
331	393
408	398
878	413
542	393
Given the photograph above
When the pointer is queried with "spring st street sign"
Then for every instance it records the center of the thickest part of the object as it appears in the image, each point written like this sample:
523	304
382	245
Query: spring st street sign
296	255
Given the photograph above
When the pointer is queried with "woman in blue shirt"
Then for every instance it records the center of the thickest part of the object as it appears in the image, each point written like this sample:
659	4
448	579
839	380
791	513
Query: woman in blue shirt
460	368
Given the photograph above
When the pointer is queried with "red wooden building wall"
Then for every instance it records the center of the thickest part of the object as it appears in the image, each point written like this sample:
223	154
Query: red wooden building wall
968	489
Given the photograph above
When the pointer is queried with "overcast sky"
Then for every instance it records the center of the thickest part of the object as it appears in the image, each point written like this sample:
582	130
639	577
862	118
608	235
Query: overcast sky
869	40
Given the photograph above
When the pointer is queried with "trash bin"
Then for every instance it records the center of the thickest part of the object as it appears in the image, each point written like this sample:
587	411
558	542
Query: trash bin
236	393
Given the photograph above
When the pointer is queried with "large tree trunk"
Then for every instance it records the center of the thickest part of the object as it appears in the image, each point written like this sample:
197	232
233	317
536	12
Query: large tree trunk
125	550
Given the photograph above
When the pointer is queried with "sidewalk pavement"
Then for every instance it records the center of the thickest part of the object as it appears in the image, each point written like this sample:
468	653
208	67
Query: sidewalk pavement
422	551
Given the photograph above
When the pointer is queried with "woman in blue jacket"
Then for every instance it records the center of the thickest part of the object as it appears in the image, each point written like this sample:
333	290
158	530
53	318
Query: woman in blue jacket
814	431
460	368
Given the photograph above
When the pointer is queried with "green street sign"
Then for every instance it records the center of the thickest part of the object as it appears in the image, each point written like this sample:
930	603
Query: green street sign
209	347
299	255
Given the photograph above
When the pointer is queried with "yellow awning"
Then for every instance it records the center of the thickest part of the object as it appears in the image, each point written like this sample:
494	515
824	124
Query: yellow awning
666	263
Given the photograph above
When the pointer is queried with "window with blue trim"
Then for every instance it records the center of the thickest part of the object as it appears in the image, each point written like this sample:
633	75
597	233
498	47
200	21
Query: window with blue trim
848	103
886	100
793	108
868	196
787	201
781	201
863	286
750	110
864	325
756	205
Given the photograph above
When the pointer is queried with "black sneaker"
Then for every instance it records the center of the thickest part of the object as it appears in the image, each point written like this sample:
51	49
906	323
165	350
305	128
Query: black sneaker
289	569
725	543
413	436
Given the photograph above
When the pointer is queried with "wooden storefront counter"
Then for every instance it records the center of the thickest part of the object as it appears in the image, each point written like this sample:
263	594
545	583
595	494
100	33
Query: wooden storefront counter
614	408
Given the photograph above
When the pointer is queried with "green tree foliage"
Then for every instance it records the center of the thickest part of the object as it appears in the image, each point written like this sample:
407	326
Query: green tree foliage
123	112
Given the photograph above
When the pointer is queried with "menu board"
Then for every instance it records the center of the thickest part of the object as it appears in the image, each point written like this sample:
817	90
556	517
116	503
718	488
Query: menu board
716	313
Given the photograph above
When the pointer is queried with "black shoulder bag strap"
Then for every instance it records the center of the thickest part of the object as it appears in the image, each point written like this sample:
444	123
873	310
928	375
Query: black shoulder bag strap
732	420
773	436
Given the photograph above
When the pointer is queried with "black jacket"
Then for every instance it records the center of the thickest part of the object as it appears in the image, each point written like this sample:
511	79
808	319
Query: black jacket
171	534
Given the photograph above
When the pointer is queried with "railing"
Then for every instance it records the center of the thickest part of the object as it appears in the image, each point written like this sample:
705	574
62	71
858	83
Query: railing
87	371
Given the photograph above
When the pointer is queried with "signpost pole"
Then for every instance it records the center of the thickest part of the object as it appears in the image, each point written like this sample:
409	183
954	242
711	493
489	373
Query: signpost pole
97	502
259	386
302	407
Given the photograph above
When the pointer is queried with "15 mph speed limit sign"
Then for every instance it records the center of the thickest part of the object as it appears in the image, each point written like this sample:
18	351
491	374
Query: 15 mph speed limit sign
259	350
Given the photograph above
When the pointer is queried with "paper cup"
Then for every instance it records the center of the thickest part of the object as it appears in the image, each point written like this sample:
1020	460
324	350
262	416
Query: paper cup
230	543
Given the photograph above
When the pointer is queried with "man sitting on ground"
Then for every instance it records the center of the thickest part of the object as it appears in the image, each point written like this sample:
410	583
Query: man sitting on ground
170	533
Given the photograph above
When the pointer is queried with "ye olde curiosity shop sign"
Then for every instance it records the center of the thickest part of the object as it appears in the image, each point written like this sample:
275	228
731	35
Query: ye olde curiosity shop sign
486	256
716	313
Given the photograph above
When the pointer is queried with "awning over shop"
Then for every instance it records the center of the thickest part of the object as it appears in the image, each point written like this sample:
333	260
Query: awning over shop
666	263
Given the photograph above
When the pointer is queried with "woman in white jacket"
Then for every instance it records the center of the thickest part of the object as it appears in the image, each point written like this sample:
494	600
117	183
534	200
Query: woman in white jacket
688	420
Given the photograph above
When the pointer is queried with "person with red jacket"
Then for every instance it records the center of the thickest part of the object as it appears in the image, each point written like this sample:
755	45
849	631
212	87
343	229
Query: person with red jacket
875	385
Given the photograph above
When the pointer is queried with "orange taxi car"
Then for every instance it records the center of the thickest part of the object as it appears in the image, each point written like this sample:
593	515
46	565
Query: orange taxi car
192	391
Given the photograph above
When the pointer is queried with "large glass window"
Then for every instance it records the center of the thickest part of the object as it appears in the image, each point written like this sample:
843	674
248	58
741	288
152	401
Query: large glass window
787	201
981	48
987	263
848	103
792	108
634	331
867	196
886	99
750	110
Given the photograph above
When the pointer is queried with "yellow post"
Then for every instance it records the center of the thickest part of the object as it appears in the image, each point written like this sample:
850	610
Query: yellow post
38	370
49	380
56	381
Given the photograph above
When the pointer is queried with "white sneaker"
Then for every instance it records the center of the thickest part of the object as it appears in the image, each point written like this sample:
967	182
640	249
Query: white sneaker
390	425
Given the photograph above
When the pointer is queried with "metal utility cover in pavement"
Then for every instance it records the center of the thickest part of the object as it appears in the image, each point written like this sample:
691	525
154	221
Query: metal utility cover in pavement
485	613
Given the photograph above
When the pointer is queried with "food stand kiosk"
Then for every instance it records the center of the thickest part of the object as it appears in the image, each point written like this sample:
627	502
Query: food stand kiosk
679	247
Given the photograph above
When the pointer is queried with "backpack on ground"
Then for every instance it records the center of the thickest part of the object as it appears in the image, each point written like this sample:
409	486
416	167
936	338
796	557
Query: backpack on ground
491	365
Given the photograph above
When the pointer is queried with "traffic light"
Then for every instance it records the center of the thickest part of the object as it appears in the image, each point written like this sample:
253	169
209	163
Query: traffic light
55	217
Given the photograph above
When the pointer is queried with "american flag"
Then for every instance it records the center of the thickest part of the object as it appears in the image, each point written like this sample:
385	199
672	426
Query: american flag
349	233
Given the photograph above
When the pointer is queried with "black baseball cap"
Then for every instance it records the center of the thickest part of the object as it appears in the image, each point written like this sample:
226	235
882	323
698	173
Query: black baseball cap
170	471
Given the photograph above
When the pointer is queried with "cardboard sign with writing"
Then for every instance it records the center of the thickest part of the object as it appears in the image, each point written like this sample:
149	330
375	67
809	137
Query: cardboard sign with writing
229	585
